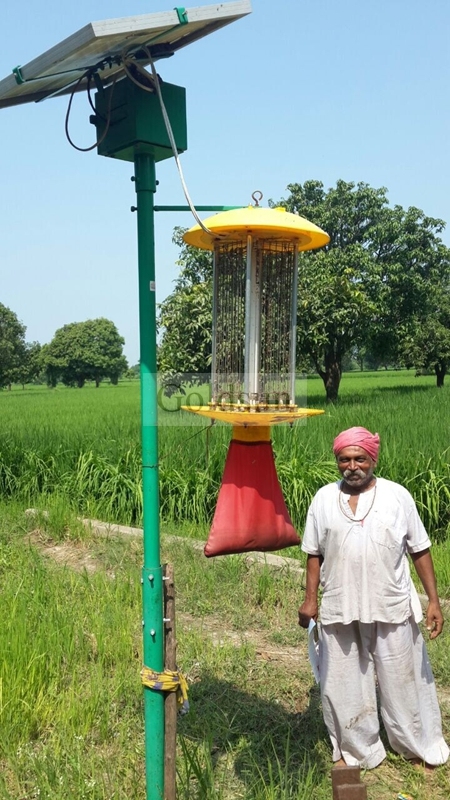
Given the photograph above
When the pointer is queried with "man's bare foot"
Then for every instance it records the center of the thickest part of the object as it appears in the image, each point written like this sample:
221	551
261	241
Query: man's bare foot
419	764
340	763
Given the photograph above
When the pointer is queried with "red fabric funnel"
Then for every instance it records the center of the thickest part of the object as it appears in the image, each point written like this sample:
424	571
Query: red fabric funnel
251	513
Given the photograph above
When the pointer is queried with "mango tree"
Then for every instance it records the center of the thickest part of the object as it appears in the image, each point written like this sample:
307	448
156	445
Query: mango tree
12	345
85	351
372	282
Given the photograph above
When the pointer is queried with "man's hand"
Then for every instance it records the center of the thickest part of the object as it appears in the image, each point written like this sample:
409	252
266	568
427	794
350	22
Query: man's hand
309	608
307	611
434	619
424	567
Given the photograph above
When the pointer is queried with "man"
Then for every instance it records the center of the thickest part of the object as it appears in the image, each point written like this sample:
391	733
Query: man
358	532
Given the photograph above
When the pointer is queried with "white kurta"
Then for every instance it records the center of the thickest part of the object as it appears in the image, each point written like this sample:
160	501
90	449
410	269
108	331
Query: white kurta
365	573
368	616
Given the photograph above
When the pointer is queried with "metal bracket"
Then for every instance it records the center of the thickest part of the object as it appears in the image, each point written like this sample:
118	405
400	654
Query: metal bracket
98	83
182	15
17	72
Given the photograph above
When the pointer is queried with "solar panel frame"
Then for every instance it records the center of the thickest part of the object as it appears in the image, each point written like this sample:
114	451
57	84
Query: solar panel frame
101	44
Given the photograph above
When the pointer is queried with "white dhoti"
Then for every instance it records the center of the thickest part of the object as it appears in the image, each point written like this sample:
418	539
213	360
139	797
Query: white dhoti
350	658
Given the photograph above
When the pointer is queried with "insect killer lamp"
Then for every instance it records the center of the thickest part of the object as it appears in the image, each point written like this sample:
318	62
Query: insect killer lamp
253	368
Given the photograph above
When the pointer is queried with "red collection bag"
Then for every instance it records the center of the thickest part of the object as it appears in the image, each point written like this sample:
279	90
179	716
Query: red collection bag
251	513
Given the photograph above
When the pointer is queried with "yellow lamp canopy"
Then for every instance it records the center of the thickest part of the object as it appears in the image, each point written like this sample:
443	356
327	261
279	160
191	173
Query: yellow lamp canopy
262	223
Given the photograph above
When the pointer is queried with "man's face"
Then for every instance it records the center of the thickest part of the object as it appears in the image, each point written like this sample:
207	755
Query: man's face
355	466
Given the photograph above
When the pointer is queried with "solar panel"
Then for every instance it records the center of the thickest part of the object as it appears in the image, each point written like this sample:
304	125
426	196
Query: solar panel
99	48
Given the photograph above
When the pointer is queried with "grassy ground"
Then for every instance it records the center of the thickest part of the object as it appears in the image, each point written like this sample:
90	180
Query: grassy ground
70	694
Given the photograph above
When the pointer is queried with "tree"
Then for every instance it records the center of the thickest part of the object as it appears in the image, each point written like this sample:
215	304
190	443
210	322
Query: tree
83	351
333	311
414	270
368	286
12	345
428	348
185	316
133	371
30	366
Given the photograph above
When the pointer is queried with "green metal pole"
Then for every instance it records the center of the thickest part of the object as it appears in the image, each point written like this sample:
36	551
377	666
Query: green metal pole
152	594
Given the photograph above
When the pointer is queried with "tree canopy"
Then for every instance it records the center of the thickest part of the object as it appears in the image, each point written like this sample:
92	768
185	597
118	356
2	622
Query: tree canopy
30	365
83	351
185	316
12	345
427	345
371	285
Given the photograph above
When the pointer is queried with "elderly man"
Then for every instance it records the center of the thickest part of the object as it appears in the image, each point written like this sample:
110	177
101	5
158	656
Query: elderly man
358	532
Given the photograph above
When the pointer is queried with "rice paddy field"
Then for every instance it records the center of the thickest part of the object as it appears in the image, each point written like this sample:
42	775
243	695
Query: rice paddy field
84	445
70	617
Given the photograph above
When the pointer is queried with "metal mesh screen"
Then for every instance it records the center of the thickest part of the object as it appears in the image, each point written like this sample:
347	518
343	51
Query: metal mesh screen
275	267
229	325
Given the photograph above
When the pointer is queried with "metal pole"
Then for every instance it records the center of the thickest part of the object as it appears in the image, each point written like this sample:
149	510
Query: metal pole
252	325
198	208
293	352
214	376
248	291
152	594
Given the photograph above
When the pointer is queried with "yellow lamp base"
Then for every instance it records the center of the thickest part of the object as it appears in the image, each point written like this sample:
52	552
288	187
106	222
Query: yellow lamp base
254	418
251	434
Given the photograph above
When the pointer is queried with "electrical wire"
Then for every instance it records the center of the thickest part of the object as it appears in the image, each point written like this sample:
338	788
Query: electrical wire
126	65
130	67
88	74
149	83
205	429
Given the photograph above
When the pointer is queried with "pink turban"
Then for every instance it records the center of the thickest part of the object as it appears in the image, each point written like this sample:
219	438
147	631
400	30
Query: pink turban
358	437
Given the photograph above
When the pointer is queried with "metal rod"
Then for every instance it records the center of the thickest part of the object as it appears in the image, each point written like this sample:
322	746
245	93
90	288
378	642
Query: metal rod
170	705
214	377
294	301
197	208
252	325
248	288
258	278
152	600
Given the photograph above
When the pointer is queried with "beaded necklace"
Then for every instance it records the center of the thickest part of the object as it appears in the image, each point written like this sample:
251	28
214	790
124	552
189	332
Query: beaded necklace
367	512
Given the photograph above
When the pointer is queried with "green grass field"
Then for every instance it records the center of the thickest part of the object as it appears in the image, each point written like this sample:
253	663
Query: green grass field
70	617
85	446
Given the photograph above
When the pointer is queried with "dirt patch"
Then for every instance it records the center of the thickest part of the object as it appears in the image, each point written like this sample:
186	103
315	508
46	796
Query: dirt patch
74	555
213	627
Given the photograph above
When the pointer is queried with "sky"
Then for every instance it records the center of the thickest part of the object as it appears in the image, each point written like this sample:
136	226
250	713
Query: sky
297	90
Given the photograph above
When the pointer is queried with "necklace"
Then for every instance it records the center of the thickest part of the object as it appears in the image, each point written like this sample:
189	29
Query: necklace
367	512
